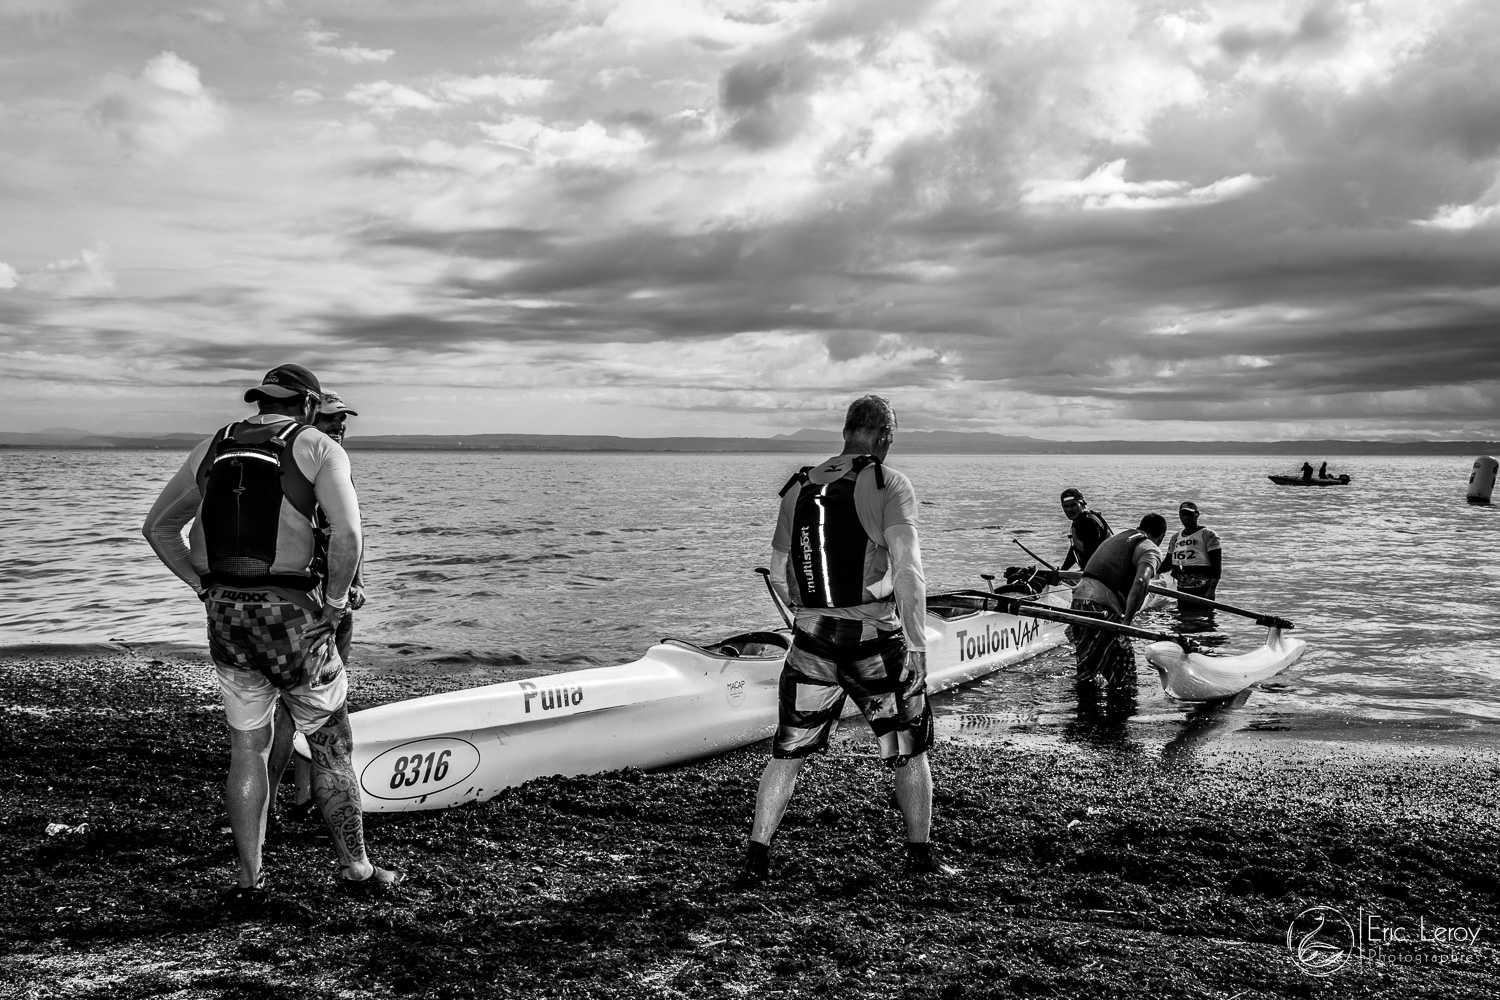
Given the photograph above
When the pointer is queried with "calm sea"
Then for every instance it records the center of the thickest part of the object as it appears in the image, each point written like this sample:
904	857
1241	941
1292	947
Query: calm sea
568	560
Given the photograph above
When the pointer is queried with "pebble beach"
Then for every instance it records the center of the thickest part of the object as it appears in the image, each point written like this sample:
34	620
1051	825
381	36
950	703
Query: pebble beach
1085	872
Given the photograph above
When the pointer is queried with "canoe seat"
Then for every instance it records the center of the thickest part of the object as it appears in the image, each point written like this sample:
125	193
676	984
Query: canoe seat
754	644
761	644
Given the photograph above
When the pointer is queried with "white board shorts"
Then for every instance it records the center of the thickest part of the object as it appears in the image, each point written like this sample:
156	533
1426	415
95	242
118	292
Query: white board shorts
250	699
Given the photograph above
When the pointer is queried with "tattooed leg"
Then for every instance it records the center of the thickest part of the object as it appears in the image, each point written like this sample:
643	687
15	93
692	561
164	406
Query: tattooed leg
337	792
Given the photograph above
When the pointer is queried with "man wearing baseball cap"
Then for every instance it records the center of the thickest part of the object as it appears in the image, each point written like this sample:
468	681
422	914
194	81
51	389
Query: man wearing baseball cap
1088	529
331	417
1195	554
252	494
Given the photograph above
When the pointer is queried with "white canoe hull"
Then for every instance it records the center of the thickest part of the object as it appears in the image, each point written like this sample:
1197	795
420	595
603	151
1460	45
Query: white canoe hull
1195	677
677	703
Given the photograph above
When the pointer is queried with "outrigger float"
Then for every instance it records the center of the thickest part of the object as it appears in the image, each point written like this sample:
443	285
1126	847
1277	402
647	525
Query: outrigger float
679	702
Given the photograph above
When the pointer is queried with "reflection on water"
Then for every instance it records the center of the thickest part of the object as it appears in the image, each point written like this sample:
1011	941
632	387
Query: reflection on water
1201	725
562	561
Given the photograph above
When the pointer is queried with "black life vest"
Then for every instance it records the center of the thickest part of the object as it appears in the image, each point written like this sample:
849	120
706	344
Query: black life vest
826	565
248	471
1081	545
1113	562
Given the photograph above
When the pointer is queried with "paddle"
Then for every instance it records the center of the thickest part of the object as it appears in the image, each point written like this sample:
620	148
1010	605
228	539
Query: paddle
1087	619
1260	618
775	597
1034	555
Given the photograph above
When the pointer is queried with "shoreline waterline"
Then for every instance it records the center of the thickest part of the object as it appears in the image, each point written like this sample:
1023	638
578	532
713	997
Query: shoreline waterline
981	714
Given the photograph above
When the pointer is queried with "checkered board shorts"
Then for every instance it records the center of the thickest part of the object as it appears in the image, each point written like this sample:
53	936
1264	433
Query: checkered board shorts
827	663
1102	654
272	639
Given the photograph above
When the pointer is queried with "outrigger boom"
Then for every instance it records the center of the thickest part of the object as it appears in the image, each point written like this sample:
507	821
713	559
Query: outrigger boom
1088	619
1260	618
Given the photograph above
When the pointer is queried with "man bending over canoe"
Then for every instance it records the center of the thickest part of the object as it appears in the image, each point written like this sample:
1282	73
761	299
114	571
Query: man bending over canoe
252	494
1114	582
846	556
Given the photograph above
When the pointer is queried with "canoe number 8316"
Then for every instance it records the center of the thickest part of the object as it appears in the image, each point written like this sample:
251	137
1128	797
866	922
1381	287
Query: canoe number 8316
418	768
409	770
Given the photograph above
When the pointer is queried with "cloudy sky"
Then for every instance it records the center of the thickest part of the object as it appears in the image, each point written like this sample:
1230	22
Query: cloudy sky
1064	218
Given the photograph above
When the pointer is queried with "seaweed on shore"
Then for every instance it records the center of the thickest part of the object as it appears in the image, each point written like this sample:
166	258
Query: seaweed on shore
1084	874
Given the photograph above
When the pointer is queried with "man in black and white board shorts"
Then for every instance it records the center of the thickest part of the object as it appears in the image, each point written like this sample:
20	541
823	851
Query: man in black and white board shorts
249	497
845	555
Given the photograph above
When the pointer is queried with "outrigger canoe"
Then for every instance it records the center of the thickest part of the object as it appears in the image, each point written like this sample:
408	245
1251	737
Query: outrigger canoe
679	702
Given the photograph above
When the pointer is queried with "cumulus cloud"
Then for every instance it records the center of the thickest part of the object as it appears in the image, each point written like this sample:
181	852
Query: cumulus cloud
386	98
326	43
505	89
1479	212
164	110
9	276
589	142
76	277
443	93
1107	188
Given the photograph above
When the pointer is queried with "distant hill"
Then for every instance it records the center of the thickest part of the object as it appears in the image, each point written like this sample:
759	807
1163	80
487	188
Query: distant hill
804	442
64	438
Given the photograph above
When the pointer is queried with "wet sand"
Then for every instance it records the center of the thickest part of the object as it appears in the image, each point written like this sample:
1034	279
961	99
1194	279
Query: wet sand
1090	868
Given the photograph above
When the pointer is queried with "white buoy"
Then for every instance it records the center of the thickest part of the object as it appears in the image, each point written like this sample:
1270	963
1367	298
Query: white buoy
1482	479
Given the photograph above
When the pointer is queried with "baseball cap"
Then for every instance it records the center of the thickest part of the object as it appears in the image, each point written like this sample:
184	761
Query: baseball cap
1075	494
1189	506
334	403
284	382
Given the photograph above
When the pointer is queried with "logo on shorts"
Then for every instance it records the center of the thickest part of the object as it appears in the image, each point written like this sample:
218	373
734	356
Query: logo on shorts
243	596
